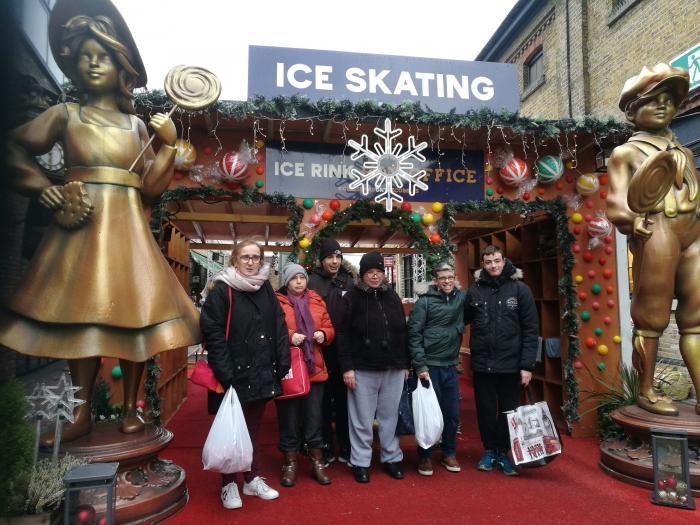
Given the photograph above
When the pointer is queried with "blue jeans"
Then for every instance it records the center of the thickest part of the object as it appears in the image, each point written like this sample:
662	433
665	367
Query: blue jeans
446	386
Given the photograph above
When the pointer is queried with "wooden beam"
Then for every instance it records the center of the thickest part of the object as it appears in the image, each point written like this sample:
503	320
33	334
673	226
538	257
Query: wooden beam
357	237
385	238
267	233
233	231
227	217
195	224
327	131
211	125
288	248
270	129
478	224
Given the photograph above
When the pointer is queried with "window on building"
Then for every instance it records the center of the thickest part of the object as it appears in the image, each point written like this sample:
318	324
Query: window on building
534	70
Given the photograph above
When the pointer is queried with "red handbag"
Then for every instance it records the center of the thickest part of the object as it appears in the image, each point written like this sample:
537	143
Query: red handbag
202	374
296	382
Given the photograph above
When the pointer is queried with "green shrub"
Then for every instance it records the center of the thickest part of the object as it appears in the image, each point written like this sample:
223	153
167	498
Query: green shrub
101	408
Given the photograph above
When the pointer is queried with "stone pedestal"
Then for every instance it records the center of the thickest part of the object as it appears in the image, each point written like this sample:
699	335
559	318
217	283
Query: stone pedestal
149	490
629	459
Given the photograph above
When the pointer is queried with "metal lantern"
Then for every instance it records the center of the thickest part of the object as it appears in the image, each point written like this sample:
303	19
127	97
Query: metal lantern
671	470
90	495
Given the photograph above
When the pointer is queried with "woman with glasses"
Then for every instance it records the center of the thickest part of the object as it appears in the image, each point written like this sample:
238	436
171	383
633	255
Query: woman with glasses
372	353
251	354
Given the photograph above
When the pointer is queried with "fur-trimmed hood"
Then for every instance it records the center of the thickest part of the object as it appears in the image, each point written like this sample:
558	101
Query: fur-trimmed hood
360	285
423	288
509	270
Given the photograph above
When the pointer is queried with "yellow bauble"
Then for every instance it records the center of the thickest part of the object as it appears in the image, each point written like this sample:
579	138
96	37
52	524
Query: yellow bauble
569	164
578	279
259	143
185	156
488	167
603	350
617	339
304	243
576	218
427	218
437	207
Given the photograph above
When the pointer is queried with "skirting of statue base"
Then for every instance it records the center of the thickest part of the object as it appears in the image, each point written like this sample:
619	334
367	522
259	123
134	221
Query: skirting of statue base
628	457
149	490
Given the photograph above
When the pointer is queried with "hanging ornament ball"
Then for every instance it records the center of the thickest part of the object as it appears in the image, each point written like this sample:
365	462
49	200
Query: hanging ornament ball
116	372
177	175
603	195
232	167
415	218
489	192
578	279
603	350
327	215
569	164
526	196
587	184
549	169
609	289
578	365
611	303
607	320
576	248
599	228
603	180
602	261
185	155
259	170
607	239
435	238
576	218
596	289
488	167
102	361
588	256
232	185
559	186
207	150
582	296
590	342
499	190
488	156
589	204
569	178
489	181
307	203
587	217
607	273
406	206
577	230
259	143
585	316
315	219
437	207
596	305
259	157
334	204
427	218
598	331
591	274
304	243
541	191
259	184
140	404
601	366
608	250
514	172
617	339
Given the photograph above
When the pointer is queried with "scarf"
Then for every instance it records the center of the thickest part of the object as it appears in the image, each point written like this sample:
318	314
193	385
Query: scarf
237	281
305	327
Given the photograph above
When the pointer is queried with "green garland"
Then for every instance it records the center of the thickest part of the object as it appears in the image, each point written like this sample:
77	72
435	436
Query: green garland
565	239
150	386
300	107
397	218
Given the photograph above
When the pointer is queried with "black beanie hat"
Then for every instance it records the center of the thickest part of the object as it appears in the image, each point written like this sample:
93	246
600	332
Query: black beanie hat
329	247
371	260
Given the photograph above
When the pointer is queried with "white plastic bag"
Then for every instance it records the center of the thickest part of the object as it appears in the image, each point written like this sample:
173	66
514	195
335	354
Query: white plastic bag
228	447
427	416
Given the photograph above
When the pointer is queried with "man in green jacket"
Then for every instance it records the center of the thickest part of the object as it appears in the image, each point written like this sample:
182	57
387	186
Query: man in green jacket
435	329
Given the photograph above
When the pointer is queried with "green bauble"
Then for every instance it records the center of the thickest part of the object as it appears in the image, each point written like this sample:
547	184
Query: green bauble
259	184
116	372
489	192
596	289
585	316
598	331
601	366
415	218
308	203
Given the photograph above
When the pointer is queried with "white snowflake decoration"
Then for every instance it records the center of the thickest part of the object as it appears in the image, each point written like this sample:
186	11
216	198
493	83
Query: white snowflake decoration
387	166
61	402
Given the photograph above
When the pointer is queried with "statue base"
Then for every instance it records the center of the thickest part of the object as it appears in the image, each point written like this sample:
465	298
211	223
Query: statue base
628	457
149	490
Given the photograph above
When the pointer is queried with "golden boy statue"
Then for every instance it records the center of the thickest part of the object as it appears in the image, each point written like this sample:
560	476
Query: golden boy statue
98	285
666	247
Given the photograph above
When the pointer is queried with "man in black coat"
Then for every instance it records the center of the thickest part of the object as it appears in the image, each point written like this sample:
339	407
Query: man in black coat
503	346
331	281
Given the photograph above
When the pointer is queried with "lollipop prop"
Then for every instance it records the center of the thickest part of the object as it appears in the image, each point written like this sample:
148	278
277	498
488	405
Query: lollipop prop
651	183
189	87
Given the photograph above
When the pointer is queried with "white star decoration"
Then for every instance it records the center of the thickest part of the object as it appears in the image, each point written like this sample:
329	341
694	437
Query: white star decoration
387	166
61	401
37	399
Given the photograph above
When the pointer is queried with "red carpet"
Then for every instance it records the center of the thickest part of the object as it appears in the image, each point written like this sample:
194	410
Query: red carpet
570	490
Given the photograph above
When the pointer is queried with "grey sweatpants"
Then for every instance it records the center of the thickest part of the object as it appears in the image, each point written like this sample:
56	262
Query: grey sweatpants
380	393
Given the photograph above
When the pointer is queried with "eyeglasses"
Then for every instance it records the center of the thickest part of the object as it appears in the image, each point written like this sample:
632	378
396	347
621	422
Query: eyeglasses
247	258
446	279
375	274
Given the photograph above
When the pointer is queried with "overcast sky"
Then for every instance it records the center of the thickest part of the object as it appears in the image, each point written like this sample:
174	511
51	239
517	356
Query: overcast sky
215	34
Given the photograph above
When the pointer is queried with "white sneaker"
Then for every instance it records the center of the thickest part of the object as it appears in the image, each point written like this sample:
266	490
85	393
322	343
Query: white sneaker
230	497
259	488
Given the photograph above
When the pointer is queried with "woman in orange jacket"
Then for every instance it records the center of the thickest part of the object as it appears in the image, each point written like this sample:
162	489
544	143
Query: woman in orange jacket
309	327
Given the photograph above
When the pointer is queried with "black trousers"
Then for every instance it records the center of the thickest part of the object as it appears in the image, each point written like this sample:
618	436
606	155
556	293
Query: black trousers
494	395
336	393
305	410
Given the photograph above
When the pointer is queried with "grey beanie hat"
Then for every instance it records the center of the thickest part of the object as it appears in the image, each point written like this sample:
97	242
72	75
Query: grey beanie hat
291	270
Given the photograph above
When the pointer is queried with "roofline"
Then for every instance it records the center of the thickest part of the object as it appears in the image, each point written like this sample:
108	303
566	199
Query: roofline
522	14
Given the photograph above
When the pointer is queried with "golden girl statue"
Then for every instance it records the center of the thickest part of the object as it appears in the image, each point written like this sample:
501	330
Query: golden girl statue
98	285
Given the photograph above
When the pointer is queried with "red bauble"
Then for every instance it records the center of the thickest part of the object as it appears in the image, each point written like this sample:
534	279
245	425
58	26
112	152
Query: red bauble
607	239
569	178
259	170
577	230
489	181
334	204
578	365
588	217
406	206
327	215
232	167
590	342
603	195
559	186
207	150
232	185
582	296
85	514
499	190
541	191
607	273
591	274
603	180
602	261
588	256
488	156
609	289
259	157
671	482
576	248
177	175
526	196
435	238
589	204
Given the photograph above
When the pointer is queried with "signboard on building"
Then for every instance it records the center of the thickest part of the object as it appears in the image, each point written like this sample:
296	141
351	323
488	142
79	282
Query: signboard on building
322	171
690	60
441	85
388	262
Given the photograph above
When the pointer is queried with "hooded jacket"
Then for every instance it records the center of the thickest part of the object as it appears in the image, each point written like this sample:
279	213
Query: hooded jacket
322	322
331	290
371	329
504	322
435	327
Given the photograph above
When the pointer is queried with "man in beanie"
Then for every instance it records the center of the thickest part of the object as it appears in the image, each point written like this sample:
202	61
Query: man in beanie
665	242
331	280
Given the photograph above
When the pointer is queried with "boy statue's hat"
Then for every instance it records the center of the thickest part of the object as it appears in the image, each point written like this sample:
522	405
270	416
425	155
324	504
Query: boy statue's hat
661	75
